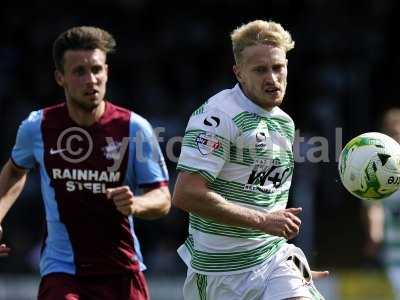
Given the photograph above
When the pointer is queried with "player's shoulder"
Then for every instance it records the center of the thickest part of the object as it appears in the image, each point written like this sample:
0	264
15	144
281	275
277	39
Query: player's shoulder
40	114
140	124
61	106
137	122
55	115
278	114
115	114
216	115
34	117
225	102
30	126
116	109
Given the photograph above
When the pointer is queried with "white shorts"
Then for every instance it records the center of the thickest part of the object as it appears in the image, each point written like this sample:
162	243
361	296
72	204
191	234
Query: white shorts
286	275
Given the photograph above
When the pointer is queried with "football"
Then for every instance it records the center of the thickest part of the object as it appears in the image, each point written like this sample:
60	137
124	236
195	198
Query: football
369	166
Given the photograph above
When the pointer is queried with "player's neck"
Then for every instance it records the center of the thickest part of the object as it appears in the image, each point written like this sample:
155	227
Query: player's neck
266	107
84	117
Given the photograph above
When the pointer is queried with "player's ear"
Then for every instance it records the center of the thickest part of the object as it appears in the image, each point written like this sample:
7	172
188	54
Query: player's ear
236	70
59	77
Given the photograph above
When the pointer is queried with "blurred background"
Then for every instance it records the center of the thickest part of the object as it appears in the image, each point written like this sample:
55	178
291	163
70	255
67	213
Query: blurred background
170	59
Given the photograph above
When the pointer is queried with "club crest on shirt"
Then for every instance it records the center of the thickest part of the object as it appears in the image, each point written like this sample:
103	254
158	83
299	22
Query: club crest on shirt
207	143
261	140
112	150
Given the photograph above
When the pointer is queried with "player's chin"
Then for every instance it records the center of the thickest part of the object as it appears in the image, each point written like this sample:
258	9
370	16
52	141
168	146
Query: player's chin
277	102
274	101
91	102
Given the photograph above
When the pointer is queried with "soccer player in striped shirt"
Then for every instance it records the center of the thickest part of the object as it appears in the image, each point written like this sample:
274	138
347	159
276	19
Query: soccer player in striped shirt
92	156
235	169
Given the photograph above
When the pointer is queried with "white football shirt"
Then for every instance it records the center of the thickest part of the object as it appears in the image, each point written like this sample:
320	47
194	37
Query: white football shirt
245	154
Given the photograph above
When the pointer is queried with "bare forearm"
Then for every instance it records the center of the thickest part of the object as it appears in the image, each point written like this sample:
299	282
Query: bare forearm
193	195
12	182
375	220
153	204
211	205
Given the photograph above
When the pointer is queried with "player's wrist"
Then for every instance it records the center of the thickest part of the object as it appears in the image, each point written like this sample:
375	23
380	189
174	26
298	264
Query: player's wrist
260	219
268	222
135	207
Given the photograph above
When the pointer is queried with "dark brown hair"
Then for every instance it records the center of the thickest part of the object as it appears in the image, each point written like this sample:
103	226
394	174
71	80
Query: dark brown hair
81	38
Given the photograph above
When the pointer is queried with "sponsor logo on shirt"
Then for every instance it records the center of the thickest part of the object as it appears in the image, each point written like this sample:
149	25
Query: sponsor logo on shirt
212	121
267	176
84	179
56	151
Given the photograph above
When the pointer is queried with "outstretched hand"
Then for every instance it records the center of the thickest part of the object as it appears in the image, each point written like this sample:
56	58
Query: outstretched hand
4	250
319	274
284	223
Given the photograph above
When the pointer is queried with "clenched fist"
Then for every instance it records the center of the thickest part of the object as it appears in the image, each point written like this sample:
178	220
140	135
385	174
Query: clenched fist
123	199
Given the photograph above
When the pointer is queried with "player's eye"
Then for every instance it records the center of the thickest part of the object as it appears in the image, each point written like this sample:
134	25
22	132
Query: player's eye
97	69
260	70
80	71
278	68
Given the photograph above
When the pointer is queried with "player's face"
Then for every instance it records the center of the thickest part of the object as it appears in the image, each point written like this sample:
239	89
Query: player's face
84	78
263	74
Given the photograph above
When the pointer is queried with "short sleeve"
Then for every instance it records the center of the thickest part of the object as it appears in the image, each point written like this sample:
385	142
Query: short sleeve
148	161
206	144
22	153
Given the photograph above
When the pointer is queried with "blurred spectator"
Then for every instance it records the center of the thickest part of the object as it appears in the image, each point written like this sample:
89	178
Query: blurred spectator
383	218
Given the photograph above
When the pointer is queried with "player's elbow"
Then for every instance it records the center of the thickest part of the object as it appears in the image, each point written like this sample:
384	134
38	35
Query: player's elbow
177	200
182	197
164	204
178	195
188	189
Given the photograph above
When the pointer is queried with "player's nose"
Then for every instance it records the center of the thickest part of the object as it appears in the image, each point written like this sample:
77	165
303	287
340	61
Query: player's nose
90	79
270	77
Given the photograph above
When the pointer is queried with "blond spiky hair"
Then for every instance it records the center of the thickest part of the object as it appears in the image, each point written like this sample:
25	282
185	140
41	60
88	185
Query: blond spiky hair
260	32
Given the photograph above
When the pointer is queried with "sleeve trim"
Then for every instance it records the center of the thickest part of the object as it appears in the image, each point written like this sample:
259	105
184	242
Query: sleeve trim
154	185
206	175
17	165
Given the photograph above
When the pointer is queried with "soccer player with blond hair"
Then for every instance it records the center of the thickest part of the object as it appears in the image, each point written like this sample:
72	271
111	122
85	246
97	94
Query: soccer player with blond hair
236	167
